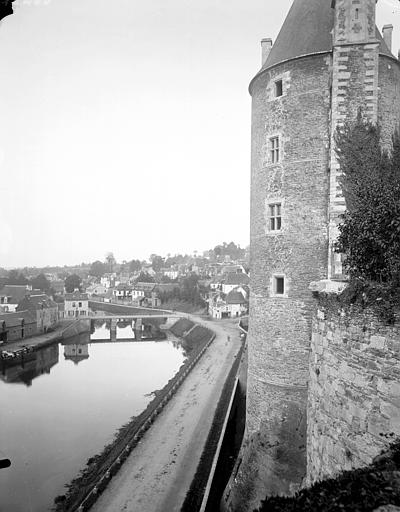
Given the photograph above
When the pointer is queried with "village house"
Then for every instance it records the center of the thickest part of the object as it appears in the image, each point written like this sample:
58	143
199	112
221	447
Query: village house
11	295
170	273
44	309
233	280
76	304
231	305
122	292
96	289
17	326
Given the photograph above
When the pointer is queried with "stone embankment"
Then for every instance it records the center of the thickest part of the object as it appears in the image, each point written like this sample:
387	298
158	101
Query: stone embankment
86	488
65	328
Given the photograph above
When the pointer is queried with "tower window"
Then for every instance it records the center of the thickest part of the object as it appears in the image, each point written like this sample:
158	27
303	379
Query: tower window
274	149
275	217
357	14
278	88
279	285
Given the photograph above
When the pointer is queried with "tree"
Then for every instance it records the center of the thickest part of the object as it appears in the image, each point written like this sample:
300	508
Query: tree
72	283
144	277
97	269
370	228
135	266
41	282
157	262
16	278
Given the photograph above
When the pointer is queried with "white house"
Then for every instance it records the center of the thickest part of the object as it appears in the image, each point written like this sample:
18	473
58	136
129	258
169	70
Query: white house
232	305
96	289
232	281
76	304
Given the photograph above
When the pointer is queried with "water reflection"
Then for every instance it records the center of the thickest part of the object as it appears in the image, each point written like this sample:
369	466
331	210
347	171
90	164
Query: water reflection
65	413
76	349
33	365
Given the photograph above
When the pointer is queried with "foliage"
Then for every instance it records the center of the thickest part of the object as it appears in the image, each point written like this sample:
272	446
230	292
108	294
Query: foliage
188	290
232	250
135	266
382	298
41	282
370	228
72	283
157	262
144	277
361	490
16	278
98	269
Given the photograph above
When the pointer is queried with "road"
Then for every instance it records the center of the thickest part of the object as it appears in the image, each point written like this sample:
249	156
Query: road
158	473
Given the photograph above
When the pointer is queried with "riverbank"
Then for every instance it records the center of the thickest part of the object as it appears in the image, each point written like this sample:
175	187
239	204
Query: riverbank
41	340
158	474
83	491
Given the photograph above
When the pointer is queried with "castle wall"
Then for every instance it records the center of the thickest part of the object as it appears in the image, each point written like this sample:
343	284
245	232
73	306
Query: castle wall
354	391
389	97
274	454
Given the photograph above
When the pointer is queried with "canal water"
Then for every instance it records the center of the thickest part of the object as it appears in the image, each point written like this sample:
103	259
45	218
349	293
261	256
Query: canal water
66	402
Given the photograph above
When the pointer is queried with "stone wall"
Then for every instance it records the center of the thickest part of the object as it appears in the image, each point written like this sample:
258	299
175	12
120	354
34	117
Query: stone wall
354	390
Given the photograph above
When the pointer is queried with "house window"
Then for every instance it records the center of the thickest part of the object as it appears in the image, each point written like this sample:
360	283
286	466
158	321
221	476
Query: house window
275	217
278	88
73	304
279	285
274	149
80	304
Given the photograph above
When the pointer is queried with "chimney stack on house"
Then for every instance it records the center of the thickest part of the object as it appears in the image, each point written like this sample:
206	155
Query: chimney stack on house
387	33
266	47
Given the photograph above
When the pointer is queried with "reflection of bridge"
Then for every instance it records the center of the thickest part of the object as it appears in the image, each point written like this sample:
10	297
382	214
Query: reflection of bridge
137	322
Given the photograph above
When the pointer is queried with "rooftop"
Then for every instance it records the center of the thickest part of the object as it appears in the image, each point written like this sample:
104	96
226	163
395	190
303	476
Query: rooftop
307	30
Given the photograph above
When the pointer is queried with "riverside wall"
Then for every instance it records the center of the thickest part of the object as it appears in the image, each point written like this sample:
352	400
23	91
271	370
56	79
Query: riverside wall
354	390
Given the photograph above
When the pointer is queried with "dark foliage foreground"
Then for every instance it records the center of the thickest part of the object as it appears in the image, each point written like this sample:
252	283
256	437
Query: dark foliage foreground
361	490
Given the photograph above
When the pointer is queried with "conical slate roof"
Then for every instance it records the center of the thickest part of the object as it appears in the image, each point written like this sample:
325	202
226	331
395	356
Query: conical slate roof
307	30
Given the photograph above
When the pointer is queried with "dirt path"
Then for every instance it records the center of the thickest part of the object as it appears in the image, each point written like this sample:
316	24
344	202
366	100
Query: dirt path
158	473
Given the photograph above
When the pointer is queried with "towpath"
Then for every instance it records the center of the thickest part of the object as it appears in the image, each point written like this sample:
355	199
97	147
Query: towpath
158	473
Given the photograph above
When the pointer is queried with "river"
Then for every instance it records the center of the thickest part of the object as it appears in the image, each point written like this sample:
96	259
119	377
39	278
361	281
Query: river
62	406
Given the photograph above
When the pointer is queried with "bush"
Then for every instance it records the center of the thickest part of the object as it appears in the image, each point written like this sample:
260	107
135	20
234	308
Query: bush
370	229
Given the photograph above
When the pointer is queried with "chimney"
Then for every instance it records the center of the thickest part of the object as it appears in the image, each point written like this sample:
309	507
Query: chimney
387	32
266	46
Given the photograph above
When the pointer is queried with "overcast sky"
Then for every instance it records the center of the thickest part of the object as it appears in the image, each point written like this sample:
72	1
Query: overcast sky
125	125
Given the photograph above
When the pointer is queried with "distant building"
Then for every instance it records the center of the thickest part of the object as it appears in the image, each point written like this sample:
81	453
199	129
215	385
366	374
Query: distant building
233	280
44	308
11	295
96	289
17	326
123	292
231	305
76	304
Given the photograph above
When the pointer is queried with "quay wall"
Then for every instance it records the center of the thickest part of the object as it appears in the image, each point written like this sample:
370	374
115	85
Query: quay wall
354	390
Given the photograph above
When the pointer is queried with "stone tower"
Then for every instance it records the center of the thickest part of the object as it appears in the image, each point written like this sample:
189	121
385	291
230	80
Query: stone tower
328	60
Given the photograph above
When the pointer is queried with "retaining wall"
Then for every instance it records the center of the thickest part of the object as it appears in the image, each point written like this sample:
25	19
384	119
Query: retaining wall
354	390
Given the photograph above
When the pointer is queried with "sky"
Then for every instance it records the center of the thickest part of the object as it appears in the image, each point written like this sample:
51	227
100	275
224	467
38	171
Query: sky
125	125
